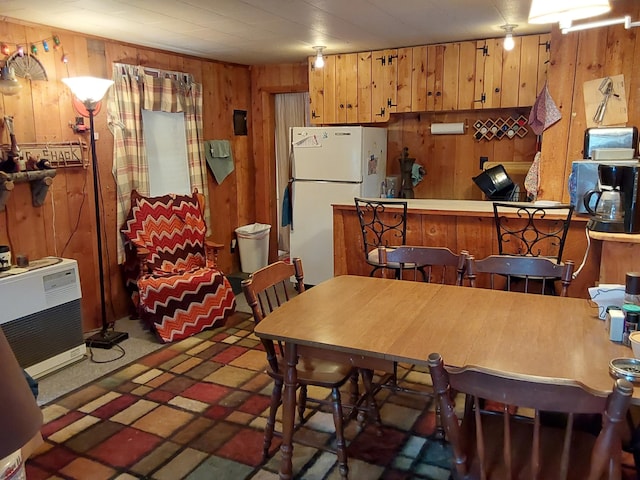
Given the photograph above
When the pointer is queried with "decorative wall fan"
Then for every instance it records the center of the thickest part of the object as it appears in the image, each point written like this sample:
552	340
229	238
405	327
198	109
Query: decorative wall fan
27	66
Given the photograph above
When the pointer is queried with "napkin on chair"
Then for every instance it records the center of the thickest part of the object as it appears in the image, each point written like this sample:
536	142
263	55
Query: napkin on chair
219	158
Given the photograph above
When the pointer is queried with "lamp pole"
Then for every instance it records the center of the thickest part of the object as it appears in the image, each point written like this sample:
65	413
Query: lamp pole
89	91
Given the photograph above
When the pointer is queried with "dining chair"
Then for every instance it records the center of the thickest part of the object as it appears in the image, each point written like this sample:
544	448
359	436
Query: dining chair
437	264
266	290
532	230
517	273
383	223
489	446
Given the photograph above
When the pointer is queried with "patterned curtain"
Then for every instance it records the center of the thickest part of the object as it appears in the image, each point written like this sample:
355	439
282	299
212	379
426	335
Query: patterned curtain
137	88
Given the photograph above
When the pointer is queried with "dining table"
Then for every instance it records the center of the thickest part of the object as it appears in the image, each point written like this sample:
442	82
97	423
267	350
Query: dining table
373	322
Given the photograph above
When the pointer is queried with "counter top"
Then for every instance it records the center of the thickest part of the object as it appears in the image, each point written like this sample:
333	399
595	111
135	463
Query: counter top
454	207
615	237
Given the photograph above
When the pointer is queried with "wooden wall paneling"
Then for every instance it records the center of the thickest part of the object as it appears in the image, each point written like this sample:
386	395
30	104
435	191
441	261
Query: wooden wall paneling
511	75
364	88
330	100
528	84
316	92
467	76
419	79
544	57
450	76
404	87
555	140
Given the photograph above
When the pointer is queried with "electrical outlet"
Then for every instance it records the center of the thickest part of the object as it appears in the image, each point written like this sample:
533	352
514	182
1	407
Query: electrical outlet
233	245
483	160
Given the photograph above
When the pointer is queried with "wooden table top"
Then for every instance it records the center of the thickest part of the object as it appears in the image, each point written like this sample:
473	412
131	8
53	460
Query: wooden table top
554	337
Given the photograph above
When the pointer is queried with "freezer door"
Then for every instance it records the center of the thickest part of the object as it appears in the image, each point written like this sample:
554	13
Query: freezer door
312	228
327	153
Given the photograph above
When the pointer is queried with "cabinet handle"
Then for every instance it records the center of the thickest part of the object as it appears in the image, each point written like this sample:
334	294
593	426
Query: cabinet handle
438	94
349	105
497	90
342	105
429	94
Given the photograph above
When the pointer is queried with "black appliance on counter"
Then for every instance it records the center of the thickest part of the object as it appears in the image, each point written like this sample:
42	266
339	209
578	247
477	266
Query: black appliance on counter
496	183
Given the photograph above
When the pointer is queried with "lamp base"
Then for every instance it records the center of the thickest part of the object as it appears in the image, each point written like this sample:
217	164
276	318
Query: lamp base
106	339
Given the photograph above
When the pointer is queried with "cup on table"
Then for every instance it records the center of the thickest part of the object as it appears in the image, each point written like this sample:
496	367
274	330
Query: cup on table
634	339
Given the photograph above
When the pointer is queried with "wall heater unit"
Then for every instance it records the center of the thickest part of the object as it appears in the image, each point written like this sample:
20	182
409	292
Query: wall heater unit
41	315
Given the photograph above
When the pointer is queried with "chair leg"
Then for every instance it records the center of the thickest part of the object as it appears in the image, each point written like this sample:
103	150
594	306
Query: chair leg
354	392
341	446
302	402
276	397
372	406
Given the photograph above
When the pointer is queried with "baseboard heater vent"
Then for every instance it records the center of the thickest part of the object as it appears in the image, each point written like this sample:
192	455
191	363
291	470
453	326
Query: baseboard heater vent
44	325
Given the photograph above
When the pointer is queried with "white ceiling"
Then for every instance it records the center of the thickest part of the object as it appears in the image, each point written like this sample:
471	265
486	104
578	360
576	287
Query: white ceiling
277	31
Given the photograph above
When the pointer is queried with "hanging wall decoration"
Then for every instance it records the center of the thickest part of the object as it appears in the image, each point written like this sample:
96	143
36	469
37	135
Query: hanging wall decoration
27	66
22	57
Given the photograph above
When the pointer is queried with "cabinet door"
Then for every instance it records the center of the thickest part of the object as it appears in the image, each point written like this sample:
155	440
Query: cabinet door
384	67
364	87
450	76
467	76
316	92
419	79
511	75
330	102
404	89
528	84
493	73
435	62
346	70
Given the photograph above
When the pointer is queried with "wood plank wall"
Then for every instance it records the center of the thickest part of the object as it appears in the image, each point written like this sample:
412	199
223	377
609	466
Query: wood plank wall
576	58
65	224
450	161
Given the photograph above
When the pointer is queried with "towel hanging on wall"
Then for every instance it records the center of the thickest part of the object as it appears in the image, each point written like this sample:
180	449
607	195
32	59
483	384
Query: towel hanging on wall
544	112
219	158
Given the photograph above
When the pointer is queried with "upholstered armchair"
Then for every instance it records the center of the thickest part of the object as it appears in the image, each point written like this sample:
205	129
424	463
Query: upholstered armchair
171	270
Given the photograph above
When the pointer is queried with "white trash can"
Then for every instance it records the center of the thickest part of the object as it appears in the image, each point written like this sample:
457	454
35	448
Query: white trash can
253	242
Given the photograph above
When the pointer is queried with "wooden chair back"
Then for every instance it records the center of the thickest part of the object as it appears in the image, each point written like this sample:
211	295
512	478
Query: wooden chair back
435	264
504	447
530	230
525	274
266	290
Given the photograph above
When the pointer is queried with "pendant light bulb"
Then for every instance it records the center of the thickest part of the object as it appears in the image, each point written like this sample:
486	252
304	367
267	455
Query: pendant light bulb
319	61
509	42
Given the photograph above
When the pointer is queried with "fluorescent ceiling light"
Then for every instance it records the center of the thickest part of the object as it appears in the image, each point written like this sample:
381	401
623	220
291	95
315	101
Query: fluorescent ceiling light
566	11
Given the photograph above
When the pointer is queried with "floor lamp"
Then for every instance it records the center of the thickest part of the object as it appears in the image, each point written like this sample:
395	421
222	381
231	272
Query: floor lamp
89	91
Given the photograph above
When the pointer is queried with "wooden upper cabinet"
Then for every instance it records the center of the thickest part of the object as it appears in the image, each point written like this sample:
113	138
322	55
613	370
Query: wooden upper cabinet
330	99
364	114
419	79
316	93
346	70
384	80
366	87
404	83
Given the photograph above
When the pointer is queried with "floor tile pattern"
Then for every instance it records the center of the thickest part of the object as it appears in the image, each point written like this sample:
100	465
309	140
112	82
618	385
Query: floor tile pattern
196	409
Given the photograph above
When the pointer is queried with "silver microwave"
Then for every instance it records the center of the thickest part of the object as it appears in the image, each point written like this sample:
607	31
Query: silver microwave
584	177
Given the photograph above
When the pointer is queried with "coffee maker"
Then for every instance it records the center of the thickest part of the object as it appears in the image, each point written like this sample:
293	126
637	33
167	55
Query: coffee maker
630	188
608	213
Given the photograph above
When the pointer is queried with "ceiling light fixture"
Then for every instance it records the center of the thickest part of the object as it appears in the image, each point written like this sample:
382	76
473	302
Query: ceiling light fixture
319	61
565	12
626	20
509	43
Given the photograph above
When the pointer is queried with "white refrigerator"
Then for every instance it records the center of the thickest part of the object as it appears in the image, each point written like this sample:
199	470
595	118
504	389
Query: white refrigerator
330	165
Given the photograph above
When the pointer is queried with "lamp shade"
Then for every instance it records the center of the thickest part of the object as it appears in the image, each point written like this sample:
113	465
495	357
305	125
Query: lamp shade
8	82
89	90
563	11
20	417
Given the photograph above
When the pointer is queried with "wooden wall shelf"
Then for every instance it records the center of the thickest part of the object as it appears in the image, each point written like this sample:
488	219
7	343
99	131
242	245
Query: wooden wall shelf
39	180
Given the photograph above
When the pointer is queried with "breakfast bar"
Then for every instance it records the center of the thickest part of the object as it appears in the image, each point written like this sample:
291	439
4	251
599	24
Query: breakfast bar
457	225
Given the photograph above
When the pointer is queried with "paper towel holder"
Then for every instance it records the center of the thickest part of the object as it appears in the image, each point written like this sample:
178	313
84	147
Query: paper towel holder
449	128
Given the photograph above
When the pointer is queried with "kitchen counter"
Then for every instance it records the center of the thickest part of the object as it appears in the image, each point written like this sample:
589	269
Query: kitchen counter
457	225
457	207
